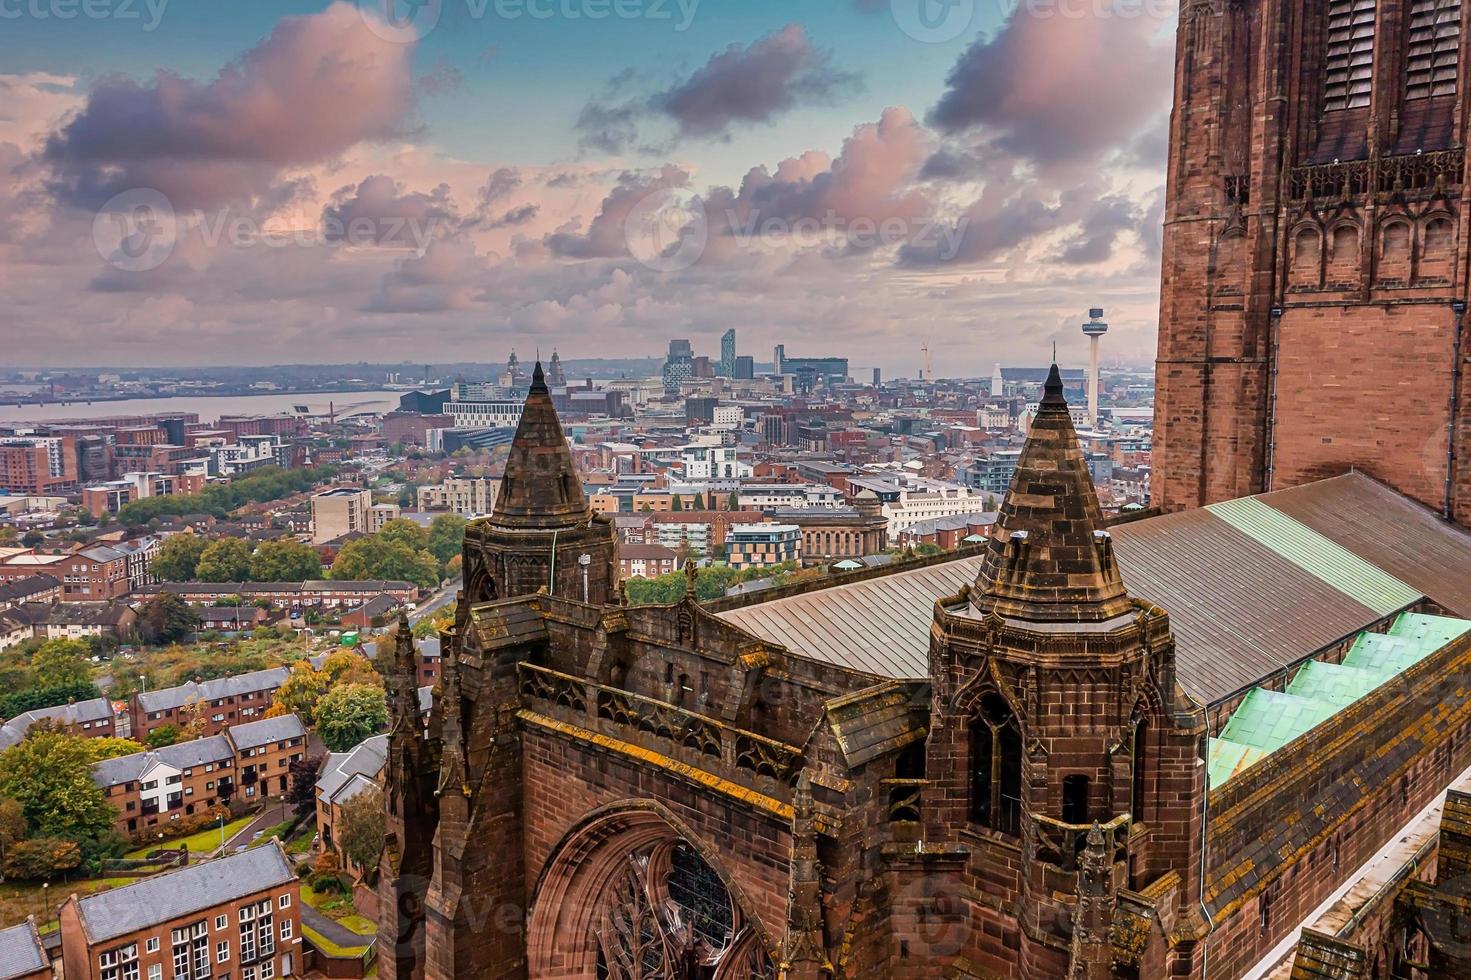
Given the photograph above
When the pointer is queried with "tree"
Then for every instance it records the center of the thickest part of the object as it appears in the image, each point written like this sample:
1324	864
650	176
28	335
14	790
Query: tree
284	560
163	735
178	558
112	747
42	858
33	539
35	698
12	827
346	715
343	666
405	531
446	537
49	774
61	663
166	618
225	560
733	502
300	691
303	793
378	557
360	830
676	503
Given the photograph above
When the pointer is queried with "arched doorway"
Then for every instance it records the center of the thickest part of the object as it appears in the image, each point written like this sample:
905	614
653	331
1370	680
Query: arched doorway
628	895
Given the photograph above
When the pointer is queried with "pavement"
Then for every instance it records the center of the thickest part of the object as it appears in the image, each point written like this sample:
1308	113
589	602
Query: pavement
330	930
435	602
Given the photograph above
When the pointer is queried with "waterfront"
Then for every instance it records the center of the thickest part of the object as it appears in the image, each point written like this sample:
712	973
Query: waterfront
210	407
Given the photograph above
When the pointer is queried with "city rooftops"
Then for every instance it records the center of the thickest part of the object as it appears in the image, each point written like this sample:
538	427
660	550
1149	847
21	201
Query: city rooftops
185	891
266	731
83	712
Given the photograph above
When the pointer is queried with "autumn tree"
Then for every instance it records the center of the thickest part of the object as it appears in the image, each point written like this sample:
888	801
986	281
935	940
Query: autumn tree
49	774
360	830
62	663
299	692
380	556
347	714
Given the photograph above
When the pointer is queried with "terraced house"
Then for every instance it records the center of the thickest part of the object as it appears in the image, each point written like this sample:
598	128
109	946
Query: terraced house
1153	748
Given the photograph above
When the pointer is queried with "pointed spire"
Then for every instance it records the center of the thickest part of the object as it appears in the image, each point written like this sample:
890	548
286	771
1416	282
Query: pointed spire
803	956
403	675
452	779
540	490
1049	558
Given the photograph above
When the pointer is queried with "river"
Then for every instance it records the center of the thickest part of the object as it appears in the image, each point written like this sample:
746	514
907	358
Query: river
209	407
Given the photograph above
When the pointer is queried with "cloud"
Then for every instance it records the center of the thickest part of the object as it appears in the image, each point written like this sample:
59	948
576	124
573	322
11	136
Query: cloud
378	212
1038	87
755	83
1099	230
318	85
606	236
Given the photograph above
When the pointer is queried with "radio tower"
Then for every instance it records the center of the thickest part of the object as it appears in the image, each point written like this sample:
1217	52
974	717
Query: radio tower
1094	330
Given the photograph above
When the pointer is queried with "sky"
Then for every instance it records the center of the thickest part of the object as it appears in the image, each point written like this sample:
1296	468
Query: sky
192	182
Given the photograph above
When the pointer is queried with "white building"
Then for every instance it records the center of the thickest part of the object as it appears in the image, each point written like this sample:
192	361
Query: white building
713	463
728	417
466	496
787	496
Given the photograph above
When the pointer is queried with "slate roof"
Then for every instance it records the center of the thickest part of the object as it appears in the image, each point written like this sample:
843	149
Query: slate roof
184	755
173	894
267	731
22	589
93	710
21	951
341	768
1249	593
224	687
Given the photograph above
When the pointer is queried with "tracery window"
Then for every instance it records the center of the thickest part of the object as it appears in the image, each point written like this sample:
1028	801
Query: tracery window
668	916
996	767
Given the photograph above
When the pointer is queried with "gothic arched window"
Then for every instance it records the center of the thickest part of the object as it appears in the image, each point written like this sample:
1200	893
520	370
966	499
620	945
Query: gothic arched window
1139	765
996	767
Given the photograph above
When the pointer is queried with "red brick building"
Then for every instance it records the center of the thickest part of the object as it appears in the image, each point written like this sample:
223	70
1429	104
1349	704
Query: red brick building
1315	274
248	762
237	916
1141	750
218	704
38	465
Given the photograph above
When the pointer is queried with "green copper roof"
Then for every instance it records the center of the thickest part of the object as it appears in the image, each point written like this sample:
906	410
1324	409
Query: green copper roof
1267	720
1317	555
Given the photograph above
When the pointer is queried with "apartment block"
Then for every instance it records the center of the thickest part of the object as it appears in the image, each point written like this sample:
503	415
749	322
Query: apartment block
247	762
236	916
466	496
218	704
340	511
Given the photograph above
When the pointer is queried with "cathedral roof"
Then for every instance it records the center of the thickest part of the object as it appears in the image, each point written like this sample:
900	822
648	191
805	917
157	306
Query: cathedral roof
540	490
1049	559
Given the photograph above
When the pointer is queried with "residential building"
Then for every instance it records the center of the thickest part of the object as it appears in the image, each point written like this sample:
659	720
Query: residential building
237	916
113	496
340	511
344	775
250	762
646	560
320	594
92	574
215	704
481	414
713	463
79	620
762	545
32	588
728	354
38	465
90	719
466	496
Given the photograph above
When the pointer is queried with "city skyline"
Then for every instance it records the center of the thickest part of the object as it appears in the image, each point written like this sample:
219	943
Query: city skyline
820	172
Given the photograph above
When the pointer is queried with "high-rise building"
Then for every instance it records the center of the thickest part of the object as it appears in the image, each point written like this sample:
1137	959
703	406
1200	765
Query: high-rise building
341	511
998	383
745	367
1314	277
728	354
778	357
679	366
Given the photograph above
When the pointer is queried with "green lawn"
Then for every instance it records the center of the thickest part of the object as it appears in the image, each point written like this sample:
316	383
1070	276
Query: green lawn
204	842
338	908
331	948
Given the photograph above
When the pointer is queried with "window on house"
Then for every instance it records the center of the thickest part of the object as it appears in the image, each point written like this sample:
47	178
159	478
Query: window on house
1349	60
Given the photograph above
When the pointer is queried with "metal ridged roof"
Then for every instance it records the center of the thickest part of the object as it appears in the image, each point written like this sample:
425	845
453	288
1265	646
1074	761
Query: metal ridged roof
1241	609
880	626
1317	555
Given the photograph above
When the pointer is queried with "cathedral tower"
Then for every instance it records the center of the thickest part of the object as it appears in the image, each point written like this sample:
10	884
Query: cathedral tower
1315	251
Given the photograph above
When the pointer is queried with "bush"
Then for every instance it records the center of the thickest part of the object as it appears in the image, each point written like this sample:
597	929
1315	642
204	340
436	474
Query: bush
42	858
329	883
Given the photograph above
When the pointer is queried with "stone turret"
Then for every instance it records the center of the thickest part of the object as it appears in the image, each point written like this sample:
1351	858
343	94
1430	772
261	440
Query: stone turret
542	532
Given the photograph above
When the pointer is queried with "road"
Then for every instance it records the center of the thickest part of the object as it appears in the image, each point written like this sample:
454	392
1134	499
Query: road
435	602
